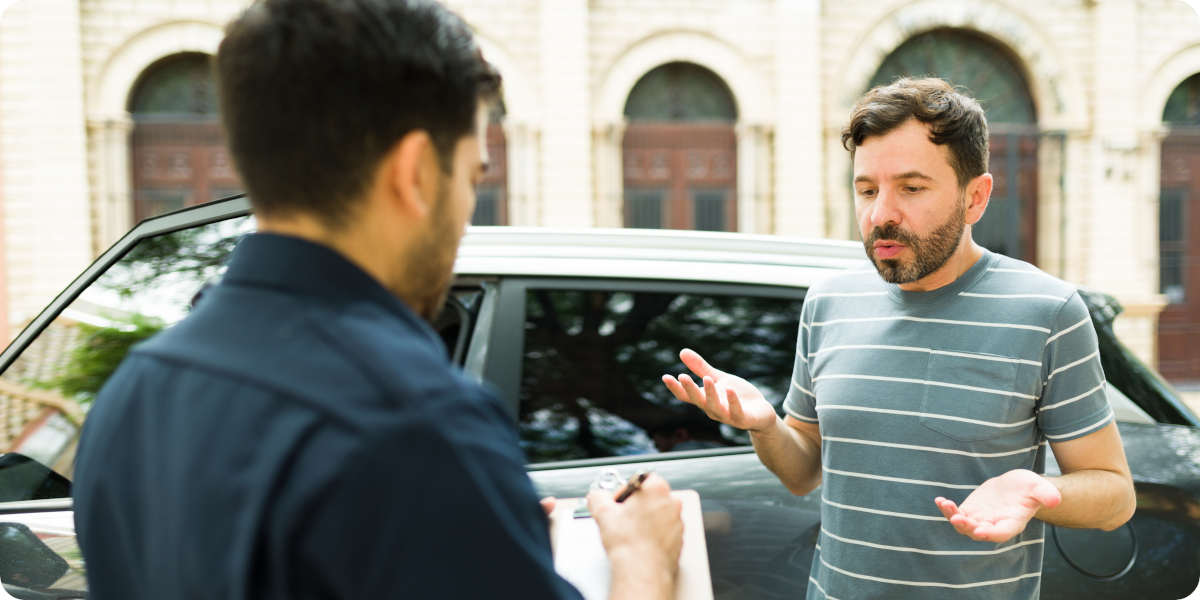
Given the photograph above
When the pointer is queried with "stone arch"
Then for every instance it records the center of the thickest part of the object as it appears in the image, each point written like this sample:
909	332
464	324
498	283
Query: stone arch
110	91
1057	93
109	124
750	93
1158	87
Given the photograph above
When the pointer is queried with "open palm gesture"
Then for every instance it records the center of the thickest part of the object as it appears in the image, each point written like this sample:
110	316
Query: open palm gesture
1000	509
724	397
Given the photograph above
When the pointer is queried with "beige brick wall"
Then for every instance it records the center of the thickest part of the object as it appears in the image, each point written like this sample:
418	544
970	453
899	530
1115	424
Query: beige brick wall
1096	69
44	186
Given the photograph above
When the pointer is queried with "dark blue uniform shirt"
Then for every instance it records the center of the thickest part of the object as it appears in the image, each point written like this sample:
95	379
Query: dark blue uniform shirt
302	435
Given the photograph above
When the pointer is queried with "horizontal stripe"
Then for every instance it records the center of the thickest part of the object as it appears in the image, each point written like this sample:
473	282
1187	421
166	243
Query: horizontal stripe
957	586
925	320
1095	425
819	588
957	386
931	552
890	411
801	356
1072	399
1070	365
799	416
886	513
1021	361
802	389
1021	271
928	448
955	486
1011	296
1067	330
844	295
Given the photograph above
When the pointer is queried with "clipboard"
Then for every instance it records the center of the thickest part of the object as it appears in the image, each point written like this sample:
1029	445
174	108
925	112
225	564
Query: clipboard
579	555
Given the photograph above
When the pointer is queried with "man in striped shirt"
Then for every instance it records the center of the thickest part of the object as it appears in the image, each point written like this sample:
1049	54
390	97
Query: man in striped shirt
926	389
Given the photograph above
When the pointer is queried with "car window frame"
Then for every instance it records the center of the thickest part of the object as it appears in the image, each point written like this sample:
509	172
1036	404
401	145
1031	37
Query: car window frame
506	338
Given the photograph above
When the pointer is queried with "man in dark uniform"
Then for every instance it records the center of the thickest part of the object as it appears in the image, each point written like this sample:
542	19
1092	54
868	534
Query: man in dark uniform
302	434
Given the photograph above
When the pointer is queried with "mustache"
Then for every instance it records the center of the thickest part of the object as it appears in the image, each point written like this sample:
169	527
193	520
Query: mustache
891	231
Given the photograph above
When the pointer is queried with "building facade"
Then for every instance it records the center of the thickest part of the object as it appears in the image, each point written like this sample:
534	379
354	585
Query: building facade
702	114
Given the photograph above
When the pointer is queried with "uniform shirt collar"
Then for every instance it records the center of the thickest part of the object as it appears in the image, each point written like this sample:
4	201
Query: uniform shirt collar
298	266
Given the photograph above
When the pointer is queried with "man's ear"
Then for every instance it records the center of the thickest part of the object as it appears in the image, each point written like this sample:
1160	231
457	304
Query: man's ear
978	193
406	175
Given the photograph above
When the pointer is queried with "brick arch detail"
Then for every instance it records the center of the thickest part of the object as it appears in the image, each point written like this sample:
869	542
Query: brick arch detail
1162	81
750	93
110	92
1057	92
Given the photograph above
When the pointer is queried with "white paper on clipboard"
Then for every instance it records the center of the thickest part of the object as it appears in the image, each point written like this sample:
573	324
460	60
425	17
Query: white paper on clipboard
579	555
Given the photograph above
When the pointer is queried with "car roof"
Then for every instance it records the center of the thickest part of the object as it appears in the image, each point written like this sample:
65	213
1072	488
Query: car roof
655	254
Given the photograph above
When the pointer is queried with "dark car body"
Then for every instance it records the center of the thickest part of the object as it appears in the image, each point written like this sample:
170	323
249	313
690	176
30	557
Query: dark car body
572	329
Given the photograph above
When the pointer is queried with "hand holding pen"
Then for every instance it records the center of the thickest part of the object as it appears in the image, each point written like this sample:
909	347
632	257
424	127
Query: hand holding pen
640	523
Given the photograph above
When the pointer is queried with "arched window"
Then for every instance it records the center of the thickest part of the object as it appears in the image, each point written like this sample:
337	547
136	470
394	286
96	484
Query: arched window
680	151
178	149
491	195
1179	233
989	73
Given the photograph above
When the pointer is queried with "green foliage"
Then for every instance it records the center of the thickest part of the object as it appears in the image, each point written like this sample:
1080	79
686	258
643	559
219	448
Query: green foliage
100	351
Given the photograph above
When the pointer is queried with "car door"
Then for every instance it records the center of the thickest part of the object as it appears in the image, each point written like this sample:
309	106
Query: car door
580	362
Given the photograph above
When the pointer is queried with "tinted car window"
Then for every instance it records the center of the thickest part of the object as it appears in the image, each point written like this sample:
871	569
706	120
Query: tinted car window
593	361
153	286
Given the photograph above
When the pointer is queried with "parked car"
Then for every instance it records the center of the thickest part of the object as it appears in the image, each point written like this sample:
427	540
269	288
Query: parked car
573	330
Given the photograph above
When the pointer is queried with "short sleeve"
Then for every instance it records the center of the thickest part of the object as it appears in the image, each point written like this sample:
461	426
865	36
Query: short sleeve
436	505
801	402
1073	402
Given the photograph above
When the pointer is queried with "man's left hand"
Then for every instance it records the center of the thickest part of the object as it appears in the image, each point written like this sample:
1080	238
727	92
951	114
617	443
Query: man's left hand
999	509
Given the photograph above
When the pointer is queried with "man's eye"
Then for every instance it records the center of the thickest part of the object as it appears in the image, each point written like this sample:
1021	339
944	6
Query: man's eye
866	193
912	189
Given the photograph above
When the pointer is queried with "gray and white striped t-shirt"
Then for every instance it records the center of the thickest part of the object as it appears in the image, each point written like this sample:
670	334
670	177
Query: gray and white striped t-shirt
925	394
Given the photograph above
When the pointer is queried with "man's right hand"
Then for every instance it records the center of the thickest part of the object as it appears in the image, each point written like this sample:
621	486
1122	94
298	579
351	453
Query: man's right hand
724	398
643	537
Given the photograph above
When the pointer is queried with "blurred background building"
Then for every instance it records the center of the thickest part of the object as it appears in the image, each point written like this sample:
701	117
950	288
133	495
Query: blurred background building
704	114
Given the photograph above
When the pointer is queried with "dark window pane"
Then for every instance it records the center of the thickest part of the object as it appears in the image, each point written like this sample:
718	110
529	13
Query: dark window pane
645	208
1170	215
1172	257
151	202
179	87
680	91
487	206
709	208
590	381
1183	105
985	69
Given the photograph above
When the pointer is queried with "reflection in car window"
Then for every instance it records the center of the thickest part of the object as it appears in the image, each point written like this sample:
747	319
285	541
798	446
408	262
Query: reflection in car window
48	389
593	361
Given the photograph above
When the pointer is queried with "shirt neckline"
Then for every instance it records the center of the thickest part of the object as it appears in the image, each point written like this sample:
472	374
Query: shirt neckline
962	283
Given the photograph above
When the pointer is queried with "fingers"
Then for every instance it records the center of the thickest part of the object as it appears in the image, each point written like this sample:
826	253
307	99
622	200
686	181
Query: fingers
735	406
692	360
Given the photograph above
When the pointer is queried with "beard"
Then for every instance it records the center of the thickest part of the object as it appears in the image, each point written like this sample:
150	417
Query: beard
431	268
929	252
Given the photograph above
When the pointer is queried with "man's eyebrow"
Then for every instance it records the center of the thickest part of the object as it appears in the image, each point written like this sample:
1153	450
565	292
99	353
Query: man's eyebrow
864	179
914	175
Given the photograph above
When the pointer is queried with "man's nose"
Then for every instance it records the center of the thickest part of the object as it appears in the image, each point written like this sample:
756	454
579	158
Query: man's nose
885	209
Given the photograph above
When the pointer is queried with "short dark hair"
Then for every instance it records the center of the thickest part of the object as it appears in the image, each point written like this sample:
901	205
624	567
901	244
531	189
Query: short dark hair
954	119
314	93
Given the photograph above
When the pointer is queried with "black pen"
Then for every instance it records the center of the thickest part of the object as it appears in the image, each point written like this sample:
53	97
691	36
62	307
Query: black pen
633	485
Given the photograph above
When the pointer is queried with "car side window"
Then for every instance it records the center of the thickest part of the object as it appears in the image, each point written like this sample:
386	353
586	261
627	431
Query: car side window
593	361
48	389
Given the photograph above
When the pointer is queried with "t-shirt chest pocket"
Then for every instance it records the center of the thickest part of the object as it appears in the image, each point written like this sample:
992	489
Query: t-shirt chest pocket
972	397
